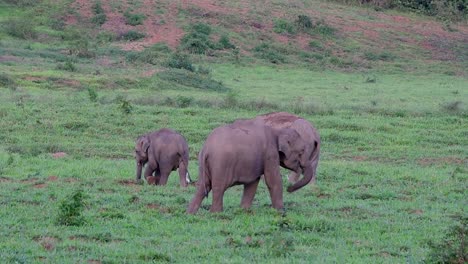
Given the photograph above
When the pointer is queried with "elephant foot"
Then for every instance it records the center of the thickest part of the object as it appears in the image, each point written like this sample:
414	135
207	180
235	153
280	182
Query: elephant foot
151	180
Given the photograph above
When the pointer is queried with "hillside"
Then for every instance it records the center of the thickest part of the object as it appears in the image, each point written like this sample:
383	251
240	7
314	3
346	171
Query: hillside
385	87
313	34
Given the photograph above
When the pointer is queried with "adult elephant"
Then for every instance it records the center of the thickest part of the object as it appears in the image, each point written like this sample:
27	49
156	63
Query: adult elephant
162	151
240	153
281	120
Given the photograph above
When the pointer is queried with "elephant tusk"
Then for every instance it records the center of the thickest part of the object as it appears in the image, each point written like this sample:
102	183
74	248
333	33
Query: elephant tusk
187	178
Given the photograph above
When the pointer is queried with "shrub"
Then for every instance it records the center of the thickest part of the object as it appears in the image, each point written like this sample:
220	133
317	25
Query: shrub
303	22
191	79
93	96
20	28
134	19
198	39
105	37
453	247
67	66
225	43
132	35
270	53
323	29
283	26
71	210
6	80
99	15
454	106
124	105
180	61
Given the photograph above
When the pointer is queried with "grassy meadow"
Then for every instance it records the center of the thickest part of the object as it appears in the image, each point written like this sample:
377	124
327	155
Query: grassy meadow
391	184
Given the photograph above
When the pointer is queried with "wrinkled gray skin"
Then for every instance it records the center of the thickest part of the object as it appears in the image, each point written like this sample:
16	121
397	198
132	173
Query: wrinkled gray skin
240	153
280	120
162	151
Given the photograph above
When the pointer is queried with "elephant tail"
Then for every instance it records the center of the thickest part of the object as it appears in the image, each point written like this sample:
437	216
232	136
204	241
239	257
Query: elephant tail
184	158
203	173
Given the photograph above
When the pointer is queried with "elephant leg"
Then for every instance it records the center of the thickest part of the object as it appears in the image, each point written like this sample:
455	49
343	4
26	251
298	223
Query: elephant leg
293	177
217	204
275	187
150	168
249	194
164	176
183	174
202	192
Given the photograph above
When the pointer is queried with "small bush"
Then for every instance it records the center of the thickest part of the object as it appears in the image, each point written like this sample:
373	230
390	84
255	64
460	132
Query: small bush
184	101
99	17
323	29
191	79
155	54
6	80
104	37
303	22
180	61
225	43
370	79
67	66
20	28
132	35
284	26
453	247
454	106
124	105
198	40
231	99
270	53
134	19
71	210
93	96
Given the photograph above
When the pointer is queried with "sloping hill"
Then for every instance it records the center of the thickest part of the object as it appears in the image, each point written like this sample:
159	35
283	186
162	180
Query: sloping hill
343	36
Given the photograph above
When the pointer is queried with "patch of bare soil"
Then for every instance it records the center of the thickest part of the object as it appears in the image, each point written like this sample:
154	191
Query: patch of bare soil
48	243
442	160
40	185
5	179
58	155
52	178
5	58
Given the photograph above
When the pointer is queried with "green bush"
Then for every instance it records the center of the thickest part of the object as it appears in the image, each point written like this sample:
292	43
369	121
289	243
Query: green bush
225	43
284	26
453	248
132	35
99	15
134	19
67	66
303	22
323	29
20	28
198	39
192	79
6	80
180	61
270	53
71	210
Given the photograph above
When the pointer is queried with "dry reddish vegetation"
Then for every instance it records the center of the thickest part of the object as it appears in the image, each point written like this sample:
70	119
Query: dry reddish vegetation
376	30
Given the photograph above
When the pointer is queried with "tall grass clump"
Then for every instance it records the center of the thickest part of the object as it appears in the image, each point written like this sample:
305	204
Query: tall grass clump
180	61
71	210
132	35
284	26
134	19
271	53
99	17
6	80
453	248
20	28
198	40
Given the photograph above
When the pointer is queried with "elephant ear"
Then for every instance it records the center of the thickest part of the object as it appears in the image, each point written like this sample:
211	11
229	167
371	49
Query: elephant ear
143	144
284	144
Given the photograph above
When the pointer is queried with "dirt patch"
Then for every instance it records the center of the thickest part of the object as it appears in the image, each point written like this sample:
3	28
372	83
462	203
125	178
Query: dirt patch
40	185
52	178
68	83
94	261
5	58
5	179
153	206
128	182
58	155
441	161
416	211
48	243
35	79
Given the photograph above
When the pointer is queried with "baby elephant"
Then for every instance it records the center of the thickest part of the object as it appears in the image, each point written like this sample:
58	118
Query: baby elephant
239	153
162	151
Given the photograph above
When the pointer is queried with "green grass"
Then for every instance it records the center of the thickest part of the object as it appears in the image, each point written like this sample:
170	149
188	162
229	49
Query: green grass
392	176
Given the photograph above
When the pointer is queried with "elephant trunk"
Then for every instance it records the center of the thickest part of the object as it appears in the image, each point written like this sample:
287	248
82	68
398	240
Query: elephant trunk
309	174
139	168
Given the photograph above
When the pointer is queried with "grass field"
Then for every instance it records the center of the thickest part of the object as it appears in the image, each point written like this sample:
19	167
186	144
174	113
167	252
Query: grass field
391	182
